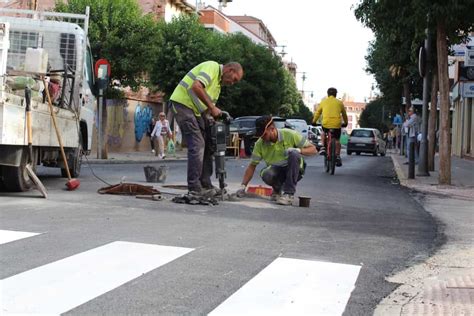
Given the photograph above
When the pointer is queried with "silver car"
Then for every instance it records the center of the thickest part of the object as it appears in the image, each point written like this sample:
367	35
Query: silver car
366	140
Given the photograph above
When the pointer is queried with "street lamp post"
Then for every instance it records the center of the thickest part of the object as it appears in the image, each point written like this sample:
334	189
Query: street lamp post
303	79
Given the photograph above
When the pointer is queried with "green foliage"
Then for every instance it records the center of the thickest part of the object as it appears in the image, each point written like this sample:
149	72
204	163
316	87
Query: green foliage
303	112
119	32
291	96
371	116
392	56
184	43
179	46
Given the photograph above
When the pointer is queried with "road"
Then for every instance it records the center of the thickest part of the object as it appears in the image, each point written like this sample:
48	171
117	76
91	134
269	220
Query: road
122	255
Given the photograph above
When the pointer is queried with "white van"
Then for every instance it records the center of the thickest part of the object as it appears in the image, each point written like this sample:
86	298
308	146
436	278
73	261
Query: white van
299	125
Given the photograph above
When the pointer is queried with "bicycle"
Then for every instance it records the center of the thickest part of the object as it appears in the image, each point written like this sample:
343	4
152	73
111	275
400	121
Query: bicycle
330	157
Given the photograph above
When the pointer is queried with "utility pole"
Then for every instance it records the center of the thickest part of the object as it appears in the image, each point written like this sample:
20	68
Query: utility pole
426	72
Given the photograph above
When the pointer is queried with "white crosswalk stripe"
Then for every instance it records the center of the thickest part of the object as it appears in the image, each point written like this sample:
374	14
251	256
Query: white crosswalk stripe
62	285
7	236
294	287
285	287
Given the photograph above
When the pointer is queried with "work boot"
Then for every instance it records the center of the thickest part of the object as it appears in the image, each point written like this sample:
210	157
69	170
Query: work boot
203	192
338	161
275	195
285	199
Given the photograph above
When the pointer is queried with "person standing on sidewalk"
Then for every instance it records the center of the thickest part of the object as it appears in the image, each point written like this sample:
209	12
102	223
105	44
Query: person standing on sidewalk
162	132
412	125
283	151
193	103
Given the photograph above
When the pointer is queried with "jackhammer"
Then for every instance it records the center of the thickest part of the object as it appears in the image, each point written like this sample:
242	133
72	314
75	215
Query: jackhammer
219	138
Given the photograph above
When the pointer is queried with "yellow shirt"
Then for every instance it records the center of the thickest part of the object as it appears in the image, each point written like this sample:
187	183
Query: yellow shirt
331	109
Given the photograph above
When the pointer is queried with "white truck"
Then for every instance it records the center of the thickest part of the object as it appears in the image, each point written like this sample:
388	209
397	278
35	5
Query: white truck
51	46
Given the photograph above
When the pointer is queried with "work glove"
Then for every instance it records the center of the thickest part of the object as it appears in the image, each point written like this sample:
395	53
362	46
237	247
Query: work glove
289	150
241	192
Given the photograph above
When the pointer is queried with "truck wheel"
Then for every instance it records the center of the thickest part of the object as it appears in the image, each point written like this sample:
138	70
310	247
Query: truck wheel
75	163
16	179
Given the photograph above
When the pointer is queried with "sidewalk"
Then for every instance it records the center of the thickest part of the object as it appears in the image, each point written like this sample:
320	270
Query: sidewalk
462	178
135	157
444	283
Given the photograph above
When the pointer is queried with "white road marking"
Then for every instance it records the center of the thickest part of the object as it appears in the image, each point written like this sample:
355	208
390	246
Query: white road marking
11	235
67	283
294	287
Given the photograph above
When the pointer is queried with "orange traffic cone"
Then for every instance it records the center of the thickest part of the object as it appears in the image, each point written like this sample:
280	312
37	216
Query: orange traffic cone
242	149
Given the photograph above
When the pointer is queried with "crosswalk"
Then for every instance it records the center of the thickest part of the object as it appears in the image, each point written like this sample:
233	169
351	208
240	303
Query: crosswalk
286	286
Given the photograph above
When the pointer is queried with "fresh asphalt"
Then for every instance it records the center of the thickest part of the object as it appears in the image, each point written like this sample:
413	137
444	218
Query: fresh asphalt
359	216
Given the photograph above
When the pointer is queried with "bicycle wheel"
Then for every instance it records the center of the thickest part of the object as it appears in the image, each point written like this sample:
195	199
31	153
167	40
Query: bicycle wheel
326	157
333	155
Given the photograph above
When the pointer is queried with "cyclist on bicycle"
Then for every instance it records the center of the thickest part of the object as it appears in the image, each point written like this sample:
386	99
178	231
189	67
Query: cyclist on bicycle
331	109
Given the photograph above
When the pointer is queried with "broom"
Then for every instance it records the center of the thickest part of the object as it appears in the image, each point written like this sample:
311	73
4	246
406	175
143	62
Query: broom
71	184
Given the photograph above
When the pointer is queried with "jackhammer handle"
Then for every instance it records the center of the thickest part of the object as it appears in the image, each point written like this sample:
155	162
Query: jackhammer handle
226	118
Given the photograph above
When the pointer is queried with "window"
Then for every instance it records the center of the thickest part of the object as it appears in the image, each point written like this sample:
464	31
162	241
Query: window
19	42
89	73
362	133
68	50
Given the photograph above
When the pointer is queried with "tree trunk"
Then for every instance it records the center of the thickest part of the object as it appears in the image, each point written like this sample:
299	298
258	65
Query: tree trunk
432	123
445	126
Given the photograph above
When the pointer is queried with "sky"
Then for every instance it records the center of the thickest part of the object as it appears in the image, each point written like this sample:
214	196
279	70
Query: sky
323	38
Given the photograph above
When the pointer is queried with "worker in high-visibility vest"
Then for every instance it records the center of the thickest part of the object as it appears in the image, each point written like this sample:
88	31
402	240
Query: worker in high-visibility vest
193	103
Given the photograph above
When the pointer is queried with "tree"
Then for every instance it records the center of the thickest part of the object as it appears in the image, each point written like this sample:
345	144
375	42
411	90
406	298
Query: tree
291	96
371	116
303	112
392	56
452	21
184	43
119	32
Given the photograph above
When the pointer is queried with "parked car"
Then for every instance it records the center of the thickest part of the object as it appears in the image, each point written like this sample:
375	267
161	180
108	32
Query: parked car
300	126
246	128
314	135
366	140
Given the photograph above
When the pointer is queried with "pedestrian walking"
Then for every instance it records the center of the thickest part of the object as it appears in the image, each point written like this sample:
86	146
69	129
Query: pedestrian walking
162	132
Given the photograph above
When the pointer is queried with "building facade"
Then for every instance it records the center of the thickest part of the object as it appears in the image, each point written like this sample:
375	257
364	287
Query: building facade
462	92
354	110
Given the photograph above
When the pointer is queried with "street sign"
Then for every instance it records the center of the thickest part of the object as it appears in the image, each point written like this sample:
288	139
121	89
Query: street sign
102	69
468	89
397	120
469	56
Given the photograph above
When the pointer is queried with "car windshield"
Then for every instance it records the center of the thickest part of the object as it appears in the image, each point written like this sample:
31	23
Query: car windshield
247	124
362	133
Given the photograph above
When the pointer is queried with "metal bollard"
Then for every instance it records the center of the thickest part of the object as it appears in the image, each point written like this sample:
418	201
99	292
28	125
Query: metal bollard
411	161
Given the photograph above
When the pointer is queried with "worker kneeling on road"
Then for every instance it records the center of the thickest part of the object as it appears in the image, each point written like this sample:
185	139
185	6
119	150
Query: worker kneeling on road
283	151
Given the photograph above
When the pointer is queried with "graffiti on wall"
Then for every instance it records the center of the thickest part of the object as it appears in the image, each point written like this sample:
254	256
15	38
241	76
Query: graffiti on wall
142	119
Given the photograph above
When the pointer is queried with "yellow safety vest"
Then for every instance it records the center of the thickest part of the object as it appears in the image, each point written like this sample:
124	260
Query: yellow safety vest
209	73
